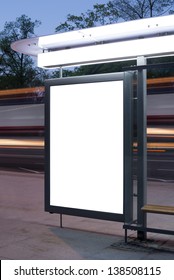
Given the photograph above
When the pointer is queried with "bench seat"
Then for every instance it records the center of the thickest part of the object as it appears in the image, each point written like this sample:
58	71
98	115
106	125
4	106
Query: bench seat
158	209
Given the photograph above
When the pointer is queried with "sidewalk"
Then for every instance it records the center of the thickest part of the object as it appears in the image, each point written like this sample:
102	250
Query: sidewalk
28	232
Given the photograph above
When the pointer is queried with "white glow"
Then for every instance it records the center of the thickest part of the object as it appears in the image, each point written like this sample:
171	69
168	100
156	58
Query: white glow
112	32
86	140
108	52
135	29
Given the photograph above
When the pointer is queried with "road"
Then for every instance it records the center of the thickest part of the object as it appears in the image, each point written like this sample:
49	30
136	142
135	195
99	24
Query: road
160	166
32	159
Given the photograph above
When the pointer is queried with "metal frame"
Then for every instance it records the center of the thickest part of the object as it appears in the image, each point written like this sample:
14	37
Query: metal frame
140	224
142	145
144	230
127	188
142	152
128	148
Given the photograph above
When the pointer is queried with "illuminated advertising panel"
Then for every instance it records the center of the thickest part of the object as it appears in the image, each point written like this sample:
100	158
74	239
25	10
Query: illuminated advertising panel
85	146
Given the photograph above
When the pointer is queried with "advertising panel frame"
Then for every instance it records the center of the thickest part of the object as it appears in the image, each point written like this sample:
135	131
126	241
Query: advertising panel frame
127	144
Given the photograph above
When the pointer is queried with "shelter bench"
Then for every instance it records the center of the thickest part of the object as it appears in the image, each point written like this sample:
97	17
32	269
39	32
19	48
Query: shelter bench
155	209
158	209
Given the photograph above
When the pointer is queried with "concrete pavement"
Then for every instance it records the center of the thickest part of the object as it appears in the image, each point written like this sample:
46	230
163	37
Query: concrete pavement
27	232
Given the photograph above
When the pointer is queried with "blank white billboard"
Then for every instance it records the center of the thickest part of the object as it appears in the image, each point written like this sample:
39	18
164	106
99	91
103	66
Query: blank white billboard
86	146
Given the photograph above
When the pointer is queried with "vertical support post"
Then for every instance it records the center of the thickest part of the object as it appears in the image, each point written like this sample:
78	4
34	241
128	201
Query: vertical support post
61	216
61	221
142	146
61	73
128	148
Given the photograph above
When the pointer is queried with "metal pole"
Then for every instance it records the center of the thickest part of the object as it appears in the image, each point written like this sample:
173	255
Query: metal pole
61	216
61	220
142	147
61	73
128	147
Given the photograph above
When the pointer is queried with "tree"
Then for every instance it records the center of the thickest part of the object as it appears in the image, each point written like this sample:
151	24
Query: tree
101	14
115	10
18	70
135	9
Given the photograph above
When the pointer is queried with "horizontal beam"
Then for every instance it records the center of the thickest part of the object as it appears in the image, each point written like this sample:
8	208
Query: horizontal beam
148	229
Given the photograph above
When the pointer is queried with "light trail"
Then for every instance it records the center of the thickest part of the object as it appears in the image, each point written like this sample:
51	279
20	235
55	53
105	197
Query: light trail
21	143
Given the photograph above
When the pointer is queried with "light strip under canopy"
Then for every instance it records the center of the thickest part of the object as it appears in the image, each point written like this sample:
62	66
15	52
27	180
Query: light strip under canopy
125	50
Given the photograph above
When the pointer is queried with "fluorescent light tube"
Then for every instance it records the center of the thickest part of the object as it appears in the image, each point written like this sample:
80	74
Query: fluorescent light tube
124	50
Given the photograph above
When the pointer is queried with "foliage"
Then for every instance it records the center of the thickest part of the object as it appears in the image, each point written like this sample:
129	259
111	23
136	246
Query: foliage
18	70
101	14
135	9
167	71
115	10
65	73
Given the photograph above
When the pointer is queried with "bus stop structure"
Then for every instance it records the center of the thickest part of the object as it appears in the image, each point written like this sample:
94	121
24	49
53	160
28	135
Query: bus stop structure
136	40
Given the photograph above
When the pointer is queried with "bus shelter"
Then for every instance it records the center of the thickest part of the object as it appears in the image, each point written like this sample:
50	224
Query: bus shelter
90	120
